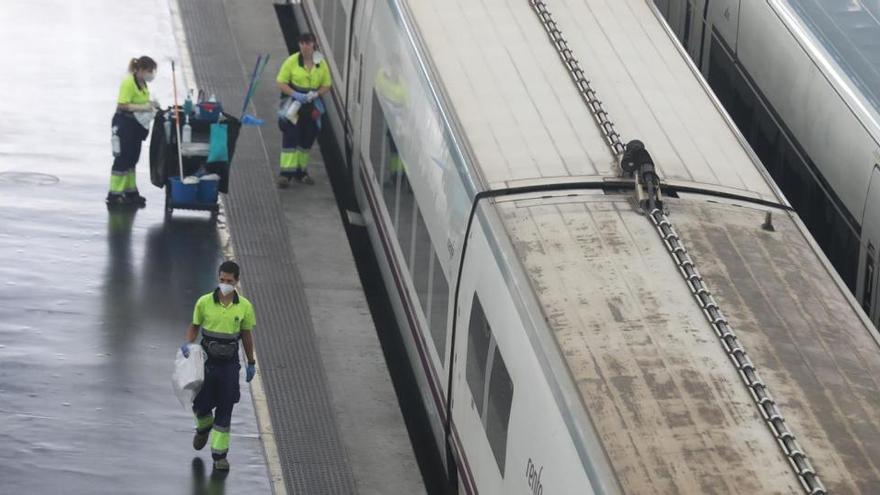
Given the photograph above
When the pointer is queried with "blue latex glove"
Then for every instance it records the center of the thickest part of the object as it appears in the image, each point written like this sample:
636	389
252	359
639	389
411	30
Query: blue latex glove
301	97
185	349
249	372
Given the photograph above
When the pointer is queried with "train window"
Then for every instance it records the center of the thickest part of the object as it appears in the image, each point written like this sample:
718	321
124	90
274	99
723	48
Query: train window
334	23
339	30
406	218
413	237
439	305
327	21
479	337
378	139
492	404
793	182
498	409
764	141
420	265
688	18
360	80
868	293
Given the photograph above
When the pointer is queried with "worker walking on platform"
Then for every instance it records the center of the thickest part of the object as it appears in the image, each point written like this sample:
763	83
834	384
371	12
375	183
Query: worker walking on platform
305	77
224	318
130	126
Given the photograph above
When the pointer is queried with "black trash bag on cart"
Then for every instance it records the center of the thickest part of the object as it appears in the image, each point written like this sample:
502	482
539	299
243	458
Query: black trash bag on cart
163	150
158	151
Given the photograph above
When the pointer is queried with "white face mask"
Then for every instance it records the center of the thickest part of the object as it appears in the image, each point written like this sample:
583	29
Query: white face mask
149	76
226	289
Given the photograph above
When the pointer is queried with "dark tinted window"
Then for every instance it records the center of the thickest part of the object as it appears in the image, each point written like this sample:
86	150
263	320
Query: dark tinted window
868	293
334	23
439	306
498	409
493	404
479	336
420	267
340	25
378	139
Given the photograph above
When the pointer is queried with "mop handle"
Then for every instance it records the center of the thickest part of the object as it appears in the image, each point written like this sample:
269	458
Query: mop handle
177	120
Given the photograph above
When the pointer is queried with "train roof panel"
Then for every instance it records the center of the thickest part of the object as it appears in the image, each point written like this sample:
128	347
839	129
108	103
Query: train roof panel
521	114
524	119
849	30
668	405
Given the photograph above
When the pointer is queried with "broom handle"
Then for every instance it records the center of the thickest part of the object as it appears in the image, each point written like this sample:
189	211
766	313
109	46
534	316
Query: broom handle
177	121
247	95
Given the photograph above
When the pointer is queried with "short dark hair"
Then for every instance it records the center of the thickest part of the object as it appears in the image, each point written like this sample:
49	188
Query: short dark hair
229	267
307	37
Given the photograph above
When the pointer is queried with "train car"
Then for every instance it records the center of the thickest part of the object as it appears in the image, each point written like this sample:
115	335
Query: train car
568	338
802	81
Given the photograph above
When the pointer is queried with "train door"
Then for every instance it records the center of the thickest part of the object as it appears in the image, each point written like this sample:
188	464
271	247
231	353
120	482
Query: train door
867	283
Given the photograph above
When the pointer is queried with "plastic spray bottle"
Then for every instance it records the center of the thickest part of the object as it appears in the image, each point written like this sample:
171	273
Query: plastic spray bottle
115	143
188	104
187	131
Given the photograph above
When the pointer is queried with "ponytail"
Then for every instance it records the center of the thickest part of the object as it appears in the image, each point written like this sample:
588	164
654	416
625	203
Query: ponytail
144	62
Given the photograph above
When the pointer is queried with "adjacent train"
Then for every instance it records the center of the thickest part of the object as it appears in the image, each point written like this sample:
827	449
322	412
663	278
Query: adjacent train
563	341
802	81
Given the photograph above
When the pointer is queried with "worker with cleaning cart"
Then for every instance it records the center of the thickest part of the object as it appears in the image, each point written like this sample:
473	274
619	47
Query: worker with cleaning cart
304	77
130	126
224	318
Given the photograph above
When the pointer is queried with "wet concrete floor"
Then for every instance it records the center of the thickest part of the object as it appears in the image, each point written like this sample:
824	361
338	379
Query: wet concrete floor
95	302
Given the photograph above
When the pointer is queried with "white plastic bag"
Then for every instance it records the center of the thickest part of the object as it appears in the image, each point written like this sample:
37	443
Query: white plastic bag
189	373
145	118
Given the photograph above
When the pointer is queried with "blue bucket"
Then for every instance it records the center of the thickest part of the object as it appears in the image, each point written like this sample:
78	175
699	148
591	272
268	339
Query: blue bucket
183	193
208	191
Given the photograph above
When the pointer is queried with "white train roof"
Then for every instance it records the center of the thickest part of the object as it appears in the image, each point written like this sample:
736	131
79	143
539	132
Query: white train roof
524	120
668	405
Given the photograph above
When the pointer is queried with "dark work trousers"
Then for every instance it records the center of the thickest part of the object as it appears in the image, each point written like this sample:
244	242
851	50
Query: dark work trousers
219	393
131	136
297	139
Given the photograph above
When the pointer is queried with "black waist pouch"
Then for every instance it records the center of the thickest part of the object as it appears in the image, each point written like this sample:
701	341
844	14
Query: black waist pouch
221	350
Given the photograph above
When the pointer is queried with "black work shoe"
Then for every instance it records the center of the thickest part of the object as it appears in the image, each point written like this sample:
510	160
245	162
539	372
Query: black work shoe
307	179
117	200
221	464
201	439
282	182
136	199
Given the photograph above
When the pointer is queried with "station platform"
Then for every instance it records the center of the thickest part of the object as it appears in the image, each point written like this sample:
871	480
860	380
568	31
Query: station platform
96	302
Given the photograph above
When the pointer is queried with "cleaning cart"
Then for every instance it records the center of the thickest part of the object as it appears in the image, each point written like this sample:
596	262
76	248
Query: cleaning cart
193	164
192	147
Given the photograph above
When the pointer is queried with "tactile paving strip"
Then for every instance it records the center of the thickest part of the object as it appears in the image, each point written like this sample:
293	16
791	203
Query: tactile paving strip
312	454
